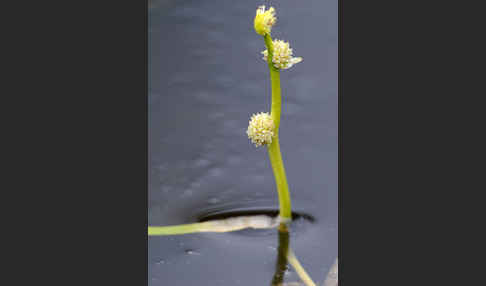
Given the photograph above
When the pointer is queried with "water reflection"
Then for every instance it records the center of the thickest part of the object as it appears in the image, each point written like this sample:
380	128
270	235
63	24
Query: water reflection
283	248
287	256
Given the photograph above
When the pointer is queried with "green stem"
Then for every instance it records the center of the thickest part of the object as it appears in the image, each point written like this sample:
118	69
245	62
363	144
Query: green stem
274	147
178	229
219	225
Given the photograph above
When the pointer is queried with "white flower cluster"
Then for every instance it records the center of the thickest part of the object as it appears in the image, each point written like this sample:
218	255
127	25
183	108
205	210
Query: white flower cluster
261	129
282	55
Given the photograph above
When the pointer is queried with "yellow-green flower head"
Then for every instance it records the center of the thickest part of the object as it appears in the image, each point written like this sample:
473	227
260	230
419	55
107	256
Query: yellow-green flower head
264	20
282	55
261	129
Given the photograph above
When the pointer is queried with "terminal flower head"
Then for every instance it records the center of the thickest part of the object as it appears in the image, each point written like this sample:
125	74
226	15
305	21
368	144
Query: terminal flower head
264	20
282	55
261	129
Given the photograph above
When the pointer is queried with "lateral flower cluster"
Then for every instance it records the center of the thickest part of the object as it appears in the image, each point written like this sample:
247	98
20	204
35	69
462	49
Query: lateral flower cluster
261	129
282	53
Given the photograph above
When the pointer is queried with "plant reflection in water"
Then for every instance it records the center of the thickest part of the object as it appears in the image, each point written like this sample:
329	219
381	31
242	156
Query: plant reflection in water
285	253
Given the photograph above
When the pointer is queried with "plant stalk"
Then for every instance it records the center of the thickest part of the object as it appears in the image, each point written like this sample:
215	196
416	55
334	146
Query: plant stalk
178	229
274	147
219	225
299	269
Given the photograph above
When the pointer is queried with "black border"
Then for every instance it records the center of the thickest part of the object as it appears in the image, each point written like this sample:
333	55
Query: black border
81	147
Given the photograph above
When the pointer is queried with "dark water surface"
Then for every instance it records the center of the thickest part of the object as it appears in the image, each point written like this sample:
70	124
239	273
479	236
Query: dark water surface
206	78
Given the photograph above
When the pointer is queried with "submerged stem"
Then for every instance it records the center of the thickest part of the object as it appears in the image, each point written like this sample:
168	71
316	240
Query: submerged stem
285	254
274	147
283	247
221	225
177	229
299	269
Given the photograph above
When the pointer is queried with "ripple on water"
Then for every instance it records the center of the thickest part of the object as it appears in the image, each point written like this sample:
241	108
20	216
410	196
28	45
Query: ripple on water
196	184
214	201
215	172
231	125
234	159
187	193
258	179
216	115
166	189
201	163
192	252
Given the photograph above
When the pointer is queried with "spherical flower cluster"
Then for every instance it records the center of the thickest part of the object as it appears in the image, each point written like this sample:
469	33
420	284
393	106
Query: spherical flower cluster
264	20
261	129
282	55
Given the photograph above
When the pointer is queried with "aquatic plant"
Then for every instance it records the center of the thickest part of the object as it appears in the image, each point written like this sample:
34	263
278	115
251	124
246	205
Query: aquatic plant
263	128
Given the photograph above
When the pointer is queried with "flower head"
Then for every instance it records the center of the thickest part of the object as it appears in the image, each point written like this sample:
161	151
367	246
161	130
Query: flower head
261	129
264	20
282	55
